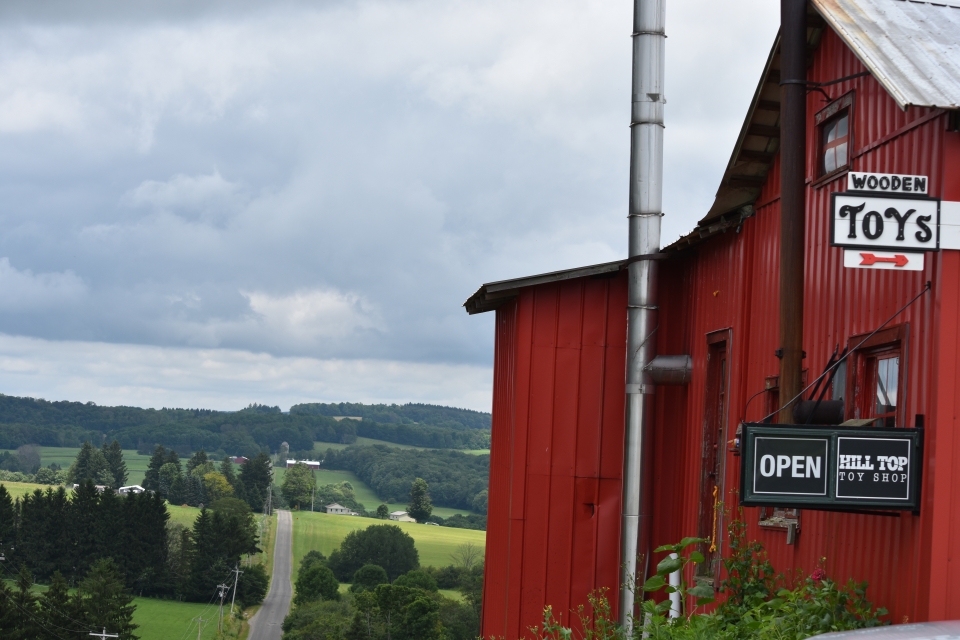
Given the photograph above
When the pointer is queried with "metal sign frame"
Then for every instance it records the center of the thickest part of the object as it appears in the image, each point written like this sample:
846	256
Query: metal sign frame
907	441
886	195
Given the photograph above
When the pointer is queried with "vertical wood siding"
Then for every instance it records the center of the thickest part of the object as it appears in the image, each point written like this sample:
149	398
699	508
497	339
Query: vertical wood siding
557	449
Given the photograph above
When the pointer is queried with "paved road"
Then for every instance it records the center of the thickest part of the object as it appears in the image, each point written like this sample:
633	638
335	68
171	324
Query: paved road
266	624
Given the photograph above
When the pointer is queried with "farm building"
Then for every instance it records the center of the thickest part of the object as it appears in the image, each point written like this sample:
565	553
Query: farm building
339	510
876	330
311	464
401	516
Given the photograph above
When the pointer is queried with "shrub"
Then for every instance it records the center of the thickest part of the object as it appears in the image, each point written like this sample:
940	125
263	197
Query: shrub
417	580
368	577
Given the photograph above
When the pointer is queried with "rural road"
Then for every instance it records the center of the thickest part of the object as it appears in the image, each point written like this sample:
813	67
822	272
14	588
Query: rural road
265	625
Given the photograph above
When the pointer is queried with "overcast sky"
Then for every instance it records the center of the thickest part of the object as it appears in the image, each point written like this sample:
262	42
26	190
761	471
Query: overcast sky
216	203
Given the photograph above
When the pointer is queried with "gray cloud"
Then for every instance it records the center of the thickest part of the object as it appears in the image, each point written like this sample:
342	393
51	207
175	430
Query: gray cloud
332	180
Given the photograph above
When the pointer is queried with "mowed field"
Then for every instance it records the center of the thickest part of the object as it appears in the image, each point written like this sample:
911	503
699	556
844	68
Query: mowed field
165	619
324	533
363	492
64	456
320	447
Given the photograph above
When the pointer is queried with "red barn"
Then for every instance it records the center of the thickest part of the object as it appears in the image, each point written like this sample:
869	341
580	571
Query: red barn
883	92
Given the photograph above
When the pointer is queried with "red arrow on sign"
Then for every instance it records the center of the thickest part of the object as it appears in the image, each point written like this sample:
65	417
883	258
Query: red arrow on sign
869	259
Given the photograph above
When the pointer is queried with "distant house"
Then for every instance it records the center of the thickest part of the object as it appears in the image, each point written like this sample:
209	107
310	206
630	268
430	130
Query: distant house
339	510
339	418
134	488
311	464
401	516
239	459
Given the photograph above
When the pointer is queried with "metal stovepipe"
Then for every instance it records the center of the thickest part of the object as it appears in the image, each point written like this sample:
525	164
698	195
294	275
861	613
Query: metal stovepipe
793	120
646	191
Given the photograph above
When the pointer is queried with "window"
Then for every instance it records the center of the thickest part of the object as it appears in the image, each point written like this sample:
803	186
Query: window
835	143
874	378
835	130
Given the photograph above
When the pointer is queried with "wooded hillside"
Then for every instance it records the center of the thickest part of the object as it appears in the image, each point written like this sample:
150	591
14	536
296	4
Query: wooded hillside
245	432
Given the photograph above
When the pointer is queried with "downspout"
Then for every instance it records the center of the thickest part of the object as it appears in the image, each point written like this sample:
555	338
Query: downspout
646	190
793	120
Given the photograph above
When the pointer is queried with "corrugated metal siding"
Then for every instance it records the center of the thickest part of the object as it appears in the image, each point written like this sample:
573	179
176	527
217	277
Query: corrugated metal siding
732	281
941	558
556	452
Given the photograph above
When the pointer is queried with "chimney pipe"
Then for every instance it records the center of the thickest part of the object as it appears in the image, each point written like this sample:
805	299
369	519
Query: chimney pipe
793	120
646	170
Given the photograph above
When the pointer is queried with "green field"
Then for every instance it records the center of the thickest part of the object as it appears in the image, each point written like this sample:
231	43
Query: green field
321	447
64	456
20	488
166	619
325	532
363	492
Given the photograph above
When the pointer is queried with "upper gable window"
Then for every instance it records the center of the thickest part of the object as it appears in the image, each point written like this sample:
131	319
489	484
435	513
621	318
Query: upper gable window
835	135
835	143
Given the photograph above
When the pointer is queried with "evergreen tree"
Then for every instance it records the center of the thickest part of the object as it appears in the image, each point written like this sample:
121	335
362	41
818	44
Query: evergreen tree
173	458
55	609
151	480
199	458
8	620
90	464
8	529
177	492
420	505
256	479
227	471
118	468
86	528
420	621
358	628
207	568
26	613
106	601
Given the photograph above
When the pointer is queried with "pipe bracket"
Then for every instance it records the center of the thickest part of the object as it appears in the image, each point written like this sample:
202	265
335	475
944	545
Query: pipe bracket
648	33
644	215
638	388
648	307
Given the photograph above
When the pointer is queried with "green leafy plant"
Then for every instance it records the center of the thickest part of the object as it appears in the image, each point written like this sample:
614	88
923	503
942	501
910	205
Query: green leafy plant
677	561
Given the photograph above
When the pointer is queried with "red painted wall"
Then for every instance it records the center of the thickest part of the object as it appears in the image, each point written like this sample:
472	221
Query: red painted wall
557	451
558	398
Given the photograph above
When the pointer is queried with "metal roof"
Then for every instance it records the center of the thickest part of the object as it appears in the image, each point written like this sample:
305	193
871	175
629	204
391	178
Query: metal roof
911	47
493	294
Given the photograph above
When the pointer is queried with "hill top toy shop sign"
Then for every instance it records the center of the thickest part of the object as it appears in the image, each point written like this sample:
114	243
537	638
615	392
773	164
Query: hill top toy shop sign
885	221
830	468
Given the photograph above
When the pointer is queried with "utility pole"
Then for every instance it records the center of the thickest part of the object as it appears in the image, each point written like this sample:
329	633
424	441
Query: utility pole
200	626
223	594
236	577
103	634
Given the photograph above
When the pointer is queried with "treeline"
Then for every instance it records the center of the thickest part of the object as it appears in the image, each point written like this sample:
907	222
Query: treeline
246	432
411	413
456	480
56	533
202	482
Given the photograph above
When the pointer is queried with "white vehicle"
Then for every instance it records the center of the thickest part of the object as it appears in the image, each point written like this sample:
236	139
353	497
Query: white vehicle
946	630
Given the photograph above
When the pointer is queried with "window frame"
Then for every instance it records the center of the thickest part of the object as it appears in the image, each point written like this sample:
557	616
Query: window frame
860	398
832	112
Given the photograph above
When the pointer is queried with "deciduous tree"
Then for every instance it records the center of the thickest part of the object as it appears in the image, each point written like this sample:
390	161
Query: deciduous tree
299	484
420	505
386	545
